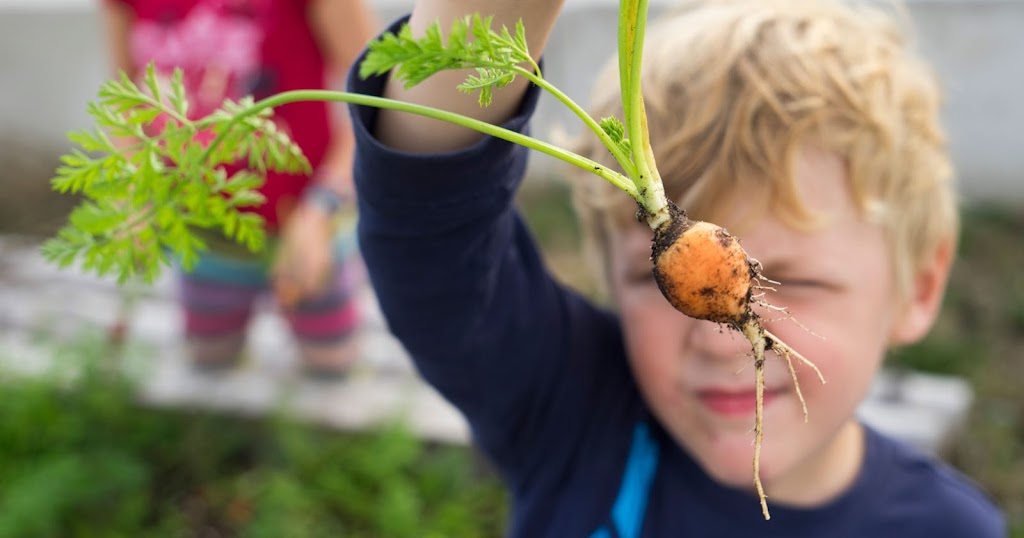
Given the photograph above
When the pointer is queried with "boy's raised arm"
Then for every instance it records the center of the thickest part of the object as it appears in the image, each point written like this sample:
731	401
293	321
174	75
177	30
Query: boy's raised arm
418	134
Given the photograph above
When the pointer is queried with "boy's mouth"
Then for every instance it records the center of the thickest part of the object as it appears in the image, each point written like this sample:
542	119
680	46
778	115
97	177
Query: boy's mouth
733	403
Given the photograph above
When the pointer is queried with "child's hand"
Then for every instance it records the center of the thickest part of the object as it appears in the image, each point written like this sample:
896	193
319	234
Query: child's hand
304	259
418	134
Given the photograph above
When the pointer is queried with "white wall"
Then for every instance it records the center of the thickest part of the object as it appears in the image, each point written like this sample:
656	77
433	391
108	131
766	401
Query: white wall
52	62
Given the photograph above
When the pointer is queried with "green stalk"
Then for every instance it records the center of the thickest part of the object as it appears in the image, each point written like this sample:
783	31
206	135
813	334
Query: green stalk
572	158
627	27
625	161
632	26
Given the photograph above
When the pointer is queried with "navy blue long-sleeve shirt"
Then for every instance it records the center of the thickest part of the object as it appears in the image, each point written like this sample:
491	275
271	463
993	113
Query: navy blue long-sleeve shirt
542	377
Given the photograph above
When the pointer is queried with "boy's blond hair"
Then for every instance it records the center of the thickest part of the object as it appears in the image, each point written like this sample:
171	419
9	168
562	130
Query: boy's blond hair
733	88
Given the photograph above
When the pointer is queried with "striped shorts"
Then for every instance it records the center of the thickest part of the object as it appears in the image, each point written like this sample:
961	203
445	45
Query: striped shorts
219	294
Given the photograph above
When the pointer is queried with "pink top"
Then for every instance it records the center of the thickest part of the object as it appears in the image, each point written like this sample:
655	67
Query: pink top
234	48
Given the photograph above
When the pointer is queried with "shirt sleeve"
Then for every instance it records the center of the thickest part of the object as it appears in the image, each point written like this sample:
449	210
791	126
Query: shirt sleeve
463	287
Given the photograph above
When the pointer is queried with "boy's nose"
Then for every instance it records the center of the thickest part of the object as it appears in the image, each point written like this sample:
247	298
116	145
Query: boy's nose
714	341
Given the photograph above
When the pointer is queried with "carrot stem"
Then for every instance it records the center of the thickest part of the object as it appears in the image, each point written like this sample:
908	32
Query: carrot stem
613	177
632	27
624	160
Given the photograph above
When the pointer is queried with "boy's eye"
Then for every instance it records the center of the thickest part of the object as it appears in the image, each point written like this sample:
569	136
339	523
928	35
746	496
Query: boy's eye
641	276
802	284
645	275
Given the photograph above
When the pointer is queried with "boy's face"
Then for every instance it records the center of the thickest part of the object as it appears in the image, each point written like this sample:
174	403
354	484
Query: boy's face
837	281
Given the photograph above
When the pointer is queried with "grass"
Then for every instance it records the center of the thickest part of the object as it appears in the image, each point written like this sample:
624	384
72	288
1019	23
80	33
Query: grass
82	459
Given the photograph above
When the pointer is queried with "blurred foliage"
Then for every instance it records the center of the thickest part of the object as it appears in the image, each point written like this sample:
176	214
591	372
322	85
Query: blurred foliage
983	313
980	335
82	460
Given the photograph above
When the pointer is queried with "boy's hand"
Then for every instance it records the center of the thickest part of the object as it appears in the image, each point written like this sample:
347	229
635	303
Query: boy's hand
425	135
305	257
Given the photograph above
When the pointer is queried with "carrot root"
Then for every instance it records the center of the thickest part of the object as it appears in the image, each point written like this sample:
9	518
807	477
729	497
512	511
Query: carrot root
755	333
761	340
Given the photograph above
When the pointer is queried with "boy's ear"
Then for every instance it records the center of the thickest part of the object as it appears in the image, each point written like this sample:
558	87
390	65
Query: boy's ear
927	289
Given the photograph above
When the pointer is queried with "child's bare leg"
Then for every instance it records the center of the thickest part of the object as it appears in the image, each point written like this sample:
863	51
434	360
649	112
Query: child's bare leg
216	315
326	329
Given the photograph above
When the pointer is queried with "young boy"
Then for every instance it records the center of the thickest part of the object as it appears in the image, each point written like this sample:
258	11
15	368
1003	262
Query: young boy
811	132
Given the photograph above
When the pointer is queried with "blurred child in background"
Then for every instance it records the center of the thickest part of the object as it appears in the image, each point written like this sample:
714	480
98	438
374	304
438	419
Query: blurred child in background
231	49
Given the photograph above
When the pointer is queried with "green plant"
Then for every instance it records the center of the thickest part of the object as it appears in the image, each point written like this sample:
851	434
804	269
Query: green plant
79	457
